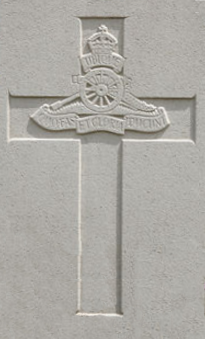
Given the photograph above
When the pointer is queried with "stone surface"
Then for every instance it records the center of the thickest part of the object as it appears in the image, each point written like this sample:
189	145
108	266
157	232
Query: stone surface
102	233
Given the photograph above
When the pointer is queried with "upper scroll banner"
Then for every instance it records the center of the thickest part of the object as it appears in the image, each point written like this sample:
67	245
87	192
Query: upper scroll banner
103	98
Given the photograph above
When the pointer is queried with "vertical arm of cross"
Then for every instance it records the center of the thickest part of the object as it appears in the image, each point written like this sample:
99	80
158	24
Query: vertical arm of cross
99	289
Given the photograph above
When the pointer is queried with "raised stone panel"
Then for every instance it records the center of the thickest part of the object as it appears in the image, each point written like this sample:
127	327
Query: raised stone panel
102	135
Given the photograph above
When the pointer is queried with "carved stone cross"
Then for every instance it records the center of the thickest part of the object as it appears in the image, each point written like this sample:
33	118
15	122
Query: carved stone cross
103	114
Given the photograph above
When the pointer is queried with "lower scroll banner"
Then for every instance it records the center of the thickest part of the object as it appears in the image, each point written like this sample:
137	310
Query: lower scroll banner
95	123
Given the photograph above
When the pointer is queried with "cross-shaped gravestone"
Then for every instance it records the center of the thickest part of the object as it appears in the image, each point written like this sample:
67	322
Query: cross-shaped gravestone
102	113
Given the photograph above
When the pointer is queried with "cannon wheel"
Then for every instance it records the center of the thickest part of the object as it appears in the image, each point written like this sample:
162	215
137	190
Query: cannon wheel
101	90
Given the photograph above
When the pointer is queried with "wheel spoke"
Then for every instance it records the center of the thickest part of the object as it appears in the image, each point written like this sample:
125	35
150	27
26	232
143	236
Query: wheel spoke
101	101
112	84
106	80
91	95
101	78
107	100
98	78
90	82
111	96
90	89
95	99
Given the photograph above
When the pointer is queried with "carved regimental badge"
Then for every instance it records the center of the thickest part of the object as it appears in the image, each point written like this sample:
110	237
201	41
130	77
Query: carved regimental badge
103	102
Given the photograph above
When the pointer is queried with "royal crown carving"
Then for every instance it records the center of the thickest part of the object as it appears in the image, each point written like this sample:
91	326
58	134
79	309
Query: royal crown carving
102	42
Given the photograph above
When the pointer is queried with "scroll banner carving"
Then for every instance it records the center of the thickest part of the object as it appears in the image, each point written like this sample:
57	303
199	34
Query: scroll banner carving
113	60
94	123
103	99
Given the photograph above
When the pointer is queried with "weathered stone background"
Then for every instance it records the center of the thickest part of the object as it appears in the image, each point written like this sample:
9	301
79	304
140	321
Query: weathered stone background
161	194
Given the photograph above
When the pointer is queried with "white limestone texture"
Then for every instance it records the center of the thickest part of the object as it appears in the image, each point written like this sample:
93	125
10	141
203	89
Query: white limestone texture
102	184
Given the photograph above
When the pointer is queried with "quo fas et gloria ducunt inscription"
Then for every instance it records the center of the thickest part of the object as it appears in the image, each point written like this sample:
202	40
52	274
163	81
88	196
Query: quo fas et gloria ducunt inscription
103	101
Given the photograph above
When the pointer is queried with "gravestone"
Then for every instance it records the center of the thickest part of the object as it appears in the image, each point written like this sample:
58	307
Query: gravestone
102	157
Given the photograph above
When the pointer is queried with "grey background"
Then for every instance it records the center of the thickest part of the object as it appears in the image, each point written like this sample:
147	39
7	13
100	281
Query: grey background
155	187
